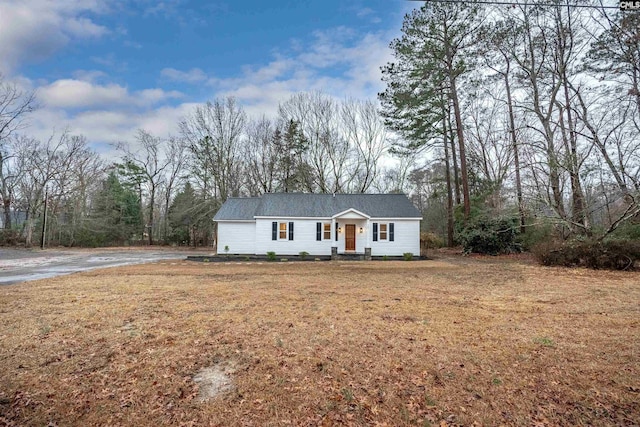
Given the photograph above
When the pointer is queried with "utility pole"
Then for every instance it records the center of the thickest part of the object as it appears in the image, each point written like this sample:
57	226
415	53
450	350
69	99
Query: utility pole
44	220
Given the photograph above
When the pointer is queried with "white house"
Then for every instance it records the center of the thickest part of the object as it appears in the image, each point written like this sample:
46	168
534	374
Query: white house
319	224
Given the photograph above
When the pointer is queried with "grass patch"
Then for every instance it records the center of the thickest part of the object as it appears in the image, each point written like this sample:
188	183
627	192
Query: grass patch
313	344
544	341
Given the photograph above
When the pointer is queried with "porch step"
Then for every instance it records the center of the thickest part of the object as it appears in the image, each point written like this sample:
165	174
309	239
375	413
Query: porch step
351	257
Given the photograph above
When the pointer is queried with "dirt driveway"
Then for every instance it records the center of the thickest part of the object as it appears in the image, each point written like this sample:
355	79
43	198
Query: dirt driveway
20	265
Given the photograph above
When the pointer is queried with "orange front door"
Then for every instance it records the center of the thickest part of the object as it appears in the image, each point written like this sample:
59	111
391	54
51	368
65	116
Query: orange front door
350	237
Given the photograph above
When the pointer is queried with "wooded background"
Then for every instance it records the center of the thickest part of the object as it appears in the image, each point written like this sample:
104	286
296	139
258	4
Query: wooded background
520	121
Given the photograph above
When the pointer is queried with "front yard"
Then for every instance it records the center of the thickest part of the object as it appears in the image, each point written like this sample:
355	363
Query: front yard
454	341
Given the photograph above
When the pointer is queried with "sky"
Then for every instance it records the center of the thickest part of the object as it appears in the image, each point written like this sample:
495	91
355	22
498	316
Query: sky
105	68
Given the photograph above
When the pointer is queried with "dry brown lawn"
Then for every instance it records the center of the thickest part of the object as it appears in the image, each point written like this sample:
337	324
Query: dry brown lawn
456	341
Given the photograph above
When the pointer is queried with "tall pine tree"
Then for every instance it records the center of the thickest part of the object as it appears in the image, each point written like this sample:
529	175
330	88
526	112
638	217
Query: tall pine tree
432	55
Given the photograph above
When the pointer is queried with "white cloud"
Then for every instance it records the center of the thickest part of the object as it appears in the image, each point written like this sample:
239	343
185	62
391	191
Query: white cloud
338	62
70	93
154	96
109	126
368	13
89	75
195	75
76	93
358	58
31	30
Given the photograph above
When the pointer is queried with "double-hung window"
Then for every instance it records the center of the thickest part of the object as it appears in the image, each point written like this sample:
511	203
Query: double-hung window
383	231
323	231
282	230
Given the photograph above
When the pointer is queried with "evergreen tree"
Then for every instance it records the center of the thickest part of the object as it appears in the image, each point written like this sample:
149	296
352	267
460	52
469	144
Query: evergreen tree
431	56
190	217
116	214
291	145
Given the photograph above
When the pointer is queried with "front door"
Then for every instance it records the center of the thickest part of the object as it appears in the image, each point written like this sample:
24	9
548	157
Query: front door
350	237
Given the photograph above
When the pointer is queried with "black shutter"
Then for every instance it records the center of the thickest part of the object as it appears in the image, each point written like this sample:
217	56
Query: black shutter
291	231
318	231
391	232
337	225
274	231
375	231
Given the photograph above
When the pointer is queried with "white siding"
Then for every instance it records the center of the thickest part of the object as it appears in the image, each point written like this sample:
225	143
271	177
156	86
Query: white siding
239	236
406	238
304	238
255	238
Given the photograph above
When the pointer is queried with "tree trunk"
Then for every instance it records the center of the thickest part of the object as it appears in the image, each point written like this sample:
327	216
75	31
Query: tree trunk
6	205
449	189
454	158
516	154
28	231
151	206
463	155
578	215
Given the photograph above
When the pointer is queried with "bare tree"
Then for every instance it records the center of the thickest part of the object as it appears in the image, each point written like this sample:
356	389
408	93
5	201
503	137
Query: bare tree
47	173
176	155
149	162
489	153
213	133
15	105
327	153
262	156
365	132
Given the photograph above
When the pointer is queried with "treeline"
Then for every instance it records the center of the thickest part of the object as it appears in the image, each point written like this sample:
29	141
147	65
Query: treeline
533	113
506	125
168	190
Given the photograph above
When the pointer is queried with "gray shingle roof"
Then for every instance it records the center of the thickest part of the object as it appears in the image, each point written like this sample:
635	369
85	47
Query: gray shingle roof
238	208
317	206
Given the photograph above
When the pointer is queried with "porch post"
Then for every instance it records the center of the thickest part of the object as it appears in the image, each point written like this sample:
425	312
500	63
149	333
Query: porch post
368	233
333	237
367	249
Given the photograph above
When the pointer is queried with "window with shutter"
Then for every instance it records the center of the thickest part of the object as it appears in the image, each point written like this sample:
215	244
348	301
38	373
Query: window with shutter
383	231
327	231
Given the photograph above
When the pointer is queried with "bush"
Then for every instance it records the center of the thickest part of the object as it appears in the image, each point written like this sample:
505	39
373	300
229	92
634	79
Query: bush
271	256
608	254
303	255
535	235
430	240
86	238
627	231
408	256
10	237
491	236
